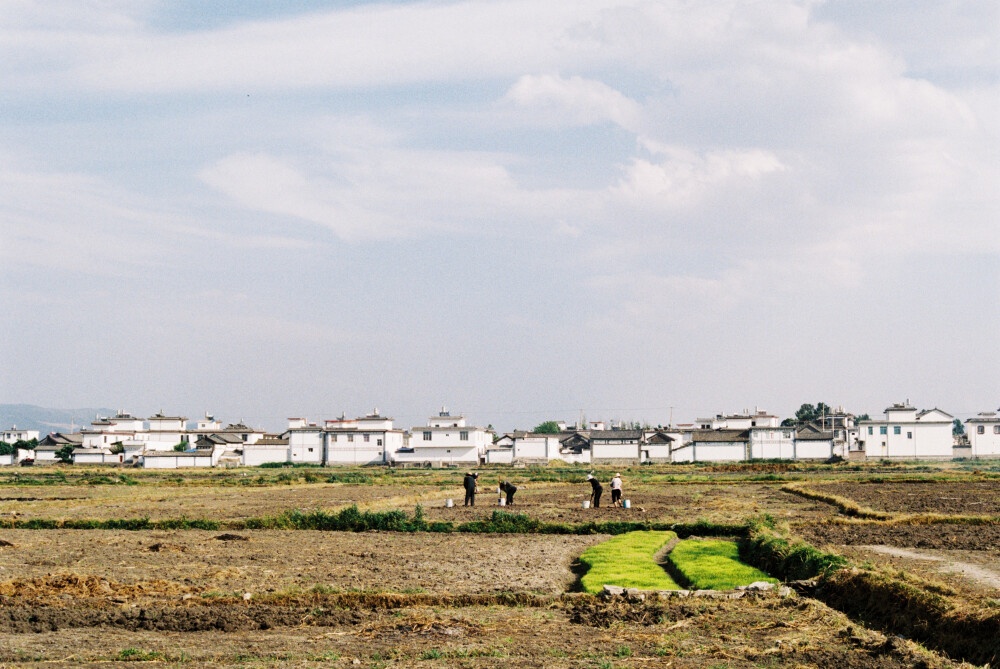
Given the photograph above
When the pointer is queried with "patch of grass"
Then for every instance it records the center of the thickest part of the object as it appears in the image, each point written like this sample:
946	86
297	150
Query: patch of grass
628	561
136	655
713	565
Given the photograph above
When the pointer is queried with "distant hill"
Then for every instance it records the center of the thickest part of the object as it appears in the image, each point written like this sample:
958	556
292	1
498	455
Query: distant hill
30	417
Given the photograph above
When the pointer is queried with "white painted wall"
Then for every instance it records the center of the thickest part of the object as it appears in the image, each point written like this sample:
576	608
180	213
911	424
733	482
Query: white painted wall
772	443
610	451
256	455
984	435
813	449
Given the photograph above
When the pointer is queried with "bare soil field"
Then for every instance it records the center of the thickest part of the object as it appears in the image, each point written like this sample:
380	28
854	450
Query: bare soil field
650	501
939	536
973	574
972	498
209	502
576	632
275	560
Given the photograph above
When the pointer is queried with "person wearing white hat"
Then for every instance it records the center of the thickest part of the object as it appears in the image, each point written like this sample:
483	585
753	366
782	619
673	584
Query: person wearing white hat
616	490
596	490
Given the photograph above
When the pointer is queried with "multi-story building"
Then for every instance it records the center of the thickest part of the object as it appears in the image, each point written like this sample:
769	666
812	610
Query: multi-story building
446	439
370	439
907	434
14	435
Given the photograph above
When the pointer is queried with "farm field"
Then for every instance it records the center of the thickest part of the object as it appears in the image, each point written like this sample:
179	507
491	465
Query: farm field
157	502
655	502
266	561
947	497
465	596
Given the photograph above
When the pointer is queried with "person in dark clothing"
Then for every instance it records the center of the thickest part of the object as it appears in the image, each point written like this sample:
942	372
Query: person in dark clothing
595	495
470	483
508	489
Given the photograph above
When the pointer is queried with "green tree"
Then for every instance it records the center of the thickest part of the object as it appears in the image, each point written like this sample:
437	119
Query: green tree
957	428
548	427
181	447
65	454
7	449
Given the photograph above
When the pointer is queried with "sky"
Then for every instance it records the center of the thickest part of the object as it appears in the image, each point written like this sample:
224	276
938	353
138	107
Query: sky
519	210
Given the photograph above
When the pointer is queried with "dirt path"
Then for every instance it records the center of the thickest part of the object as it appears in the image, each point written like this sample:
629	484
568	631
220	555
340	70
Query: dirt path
987	577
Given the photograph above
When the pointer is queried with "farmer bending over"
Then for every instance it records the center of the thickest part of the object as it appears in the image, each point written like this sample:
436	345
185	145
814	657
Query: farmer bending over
508	489
595	495
471	488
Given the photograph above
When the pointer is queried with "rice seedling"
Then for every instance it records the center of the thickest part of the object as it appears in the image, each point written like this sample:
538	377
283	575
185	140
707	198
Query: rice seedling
628	561
713	565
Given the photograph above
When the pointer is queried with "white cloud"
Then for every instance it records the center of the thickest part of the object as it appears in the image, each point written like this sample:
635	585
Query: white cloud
573	100
685	176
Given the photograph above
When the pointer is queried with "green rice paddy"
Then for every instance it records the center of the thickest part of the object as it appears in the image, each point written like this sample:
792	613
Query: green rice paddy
628	561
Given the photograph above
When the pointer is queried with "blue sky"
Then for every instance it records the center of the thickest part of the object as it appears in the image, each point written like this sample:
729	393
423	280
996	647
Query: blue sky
518	209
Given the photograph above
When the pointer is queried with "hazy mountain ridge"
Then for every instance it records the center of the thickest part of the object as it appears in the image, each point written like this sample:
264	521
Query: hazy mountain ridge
45	420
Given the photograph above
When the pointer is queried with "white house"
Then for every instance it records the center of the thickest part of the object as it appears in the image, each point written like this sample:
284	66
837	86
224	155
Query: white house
194	457
96	456
501	451
741	421
983	431
266	450
104	431
814	443
658	445
446	439
614	446
14	435
165	432
772	442
367	440
907	434
720	445
535	447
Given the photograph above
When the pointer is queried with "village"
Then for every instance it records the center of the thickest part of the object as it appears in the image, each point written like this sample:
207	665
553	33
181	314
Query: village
446	440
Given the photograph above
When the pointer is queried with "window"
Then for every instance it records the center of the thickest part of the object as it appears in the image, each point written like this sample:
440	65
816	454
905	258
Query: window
310	450
896	429
464	436
996	429
871	430
379	442
909	435
367	438
427	436
350	437
980	429
882	429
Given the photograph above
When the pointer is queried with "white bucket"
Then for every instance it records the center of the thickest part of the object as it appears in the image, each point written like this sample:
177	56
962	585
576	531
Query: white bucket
449	503
628	504
586	504
502	501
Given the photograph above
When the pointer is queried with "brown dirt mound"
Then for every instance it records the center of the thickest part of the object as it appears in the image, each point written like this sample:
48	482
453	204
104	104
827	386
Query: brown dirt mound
164	546
234	618
5	544
76	586
232	537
